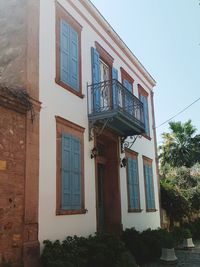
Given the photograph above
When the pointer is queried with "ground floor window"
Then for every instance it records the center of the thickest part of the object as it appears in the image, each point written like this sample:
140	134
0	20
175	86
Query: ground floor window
133	181
149	187
70	167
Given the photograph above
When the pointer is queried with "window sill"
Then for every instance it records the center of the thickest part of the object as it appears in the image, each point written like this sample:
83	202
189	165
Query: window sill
134	210
151	210
68	88
71	212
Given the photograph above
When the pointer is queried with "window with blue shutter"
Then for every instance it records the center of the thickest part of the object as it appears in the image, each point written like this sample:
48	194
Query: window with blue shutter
68	51
133	184
149	189
69	56
70	173
144	100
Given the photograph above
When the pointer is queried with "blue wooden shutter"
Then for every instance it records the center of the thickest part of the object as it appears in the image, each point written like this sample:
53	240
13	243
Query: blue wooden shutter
130	183
75	174
127	85
64	52
65	172
152	198
136	184
95	79
69	57
74	73
128	100
70	173
133	184
144	100
115	92
146	174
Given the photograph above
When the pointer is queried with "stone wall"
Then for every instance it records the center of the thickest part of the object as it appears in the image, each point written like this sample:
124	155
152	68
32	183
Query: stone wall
12	183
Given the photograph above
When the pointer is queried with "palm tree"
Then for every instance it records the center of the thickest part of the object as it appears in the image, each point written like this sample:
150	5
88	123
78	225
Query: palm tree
181	147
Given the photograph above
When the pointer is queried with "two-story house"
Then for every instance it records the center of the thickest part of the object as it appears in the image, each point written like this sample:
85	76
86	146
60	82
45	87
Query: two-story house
94	166
94	93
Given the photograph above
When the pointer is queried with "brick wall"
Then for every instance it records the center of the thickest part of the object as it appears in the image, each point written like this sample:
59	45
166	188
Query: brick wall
12	177
19	144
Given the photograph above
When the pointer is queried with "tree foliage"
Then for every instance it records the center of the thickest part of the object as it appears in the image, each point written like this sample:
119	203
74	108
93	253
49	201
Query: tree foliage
181	147
174	203
180	192
180	171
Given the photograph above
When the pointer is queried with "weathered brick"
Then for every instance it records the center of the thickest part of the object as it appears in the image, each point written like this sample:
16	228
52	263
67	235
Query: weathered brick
12	184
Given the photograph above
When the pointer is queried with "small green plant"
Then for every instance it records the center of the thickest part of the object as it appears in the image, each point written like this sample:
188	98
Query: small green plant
187	233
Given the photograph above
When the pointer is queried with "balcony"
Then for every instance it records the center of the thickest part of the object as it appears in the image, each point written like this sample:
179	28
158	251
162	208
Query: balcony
112	106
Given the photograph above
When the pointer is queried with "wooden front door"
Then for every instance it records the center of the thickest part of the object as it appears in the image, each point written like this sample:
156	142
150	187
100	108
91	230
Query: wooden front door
108	186
101	202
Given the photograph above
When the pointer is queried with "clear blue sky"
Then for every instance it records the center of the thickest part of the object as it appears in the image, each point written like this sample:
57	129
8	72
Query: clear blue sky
165	37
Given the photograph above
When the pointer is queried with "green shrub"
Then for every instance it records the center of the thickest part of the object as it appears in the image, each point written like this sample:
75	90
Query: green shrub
147	246
134	243
127	260
95	251
173	202
152	240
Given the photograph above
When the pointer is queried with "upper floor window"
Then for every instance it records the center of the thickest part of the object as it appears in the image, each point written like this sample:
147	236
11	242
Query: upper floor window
127	80
102	72
143	96
133	182
68	51
148	181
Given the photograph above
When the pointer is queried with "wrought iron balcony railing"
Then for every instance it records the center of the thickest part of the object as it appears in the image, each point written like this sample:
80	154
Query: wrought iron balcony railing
109	98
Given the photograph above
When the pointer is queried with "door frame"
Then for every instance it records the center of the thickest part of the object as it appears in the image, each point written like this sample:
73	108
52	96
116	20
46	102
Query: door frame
109	137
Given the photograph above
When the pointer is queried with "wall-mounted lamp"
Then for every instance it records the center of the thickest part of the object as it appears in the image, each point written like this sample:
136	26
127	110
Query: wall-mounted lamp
94	153
123	162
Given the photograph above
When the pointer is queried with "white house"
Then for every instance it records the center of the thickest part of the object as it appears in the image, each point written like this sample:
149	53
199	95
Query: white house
97	139
77	135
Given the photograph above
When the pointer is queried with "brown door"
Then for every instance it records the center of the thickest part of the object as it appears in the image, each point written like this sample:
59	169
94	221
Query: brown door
108	186
101	200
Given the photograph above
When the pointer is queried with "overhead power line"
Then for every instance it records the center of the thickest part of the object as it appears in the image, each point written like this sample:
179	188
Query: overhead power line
178	113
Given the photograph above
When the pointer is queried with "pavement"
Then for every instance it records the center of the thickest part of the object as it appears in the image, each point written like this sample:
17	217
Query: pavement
186	258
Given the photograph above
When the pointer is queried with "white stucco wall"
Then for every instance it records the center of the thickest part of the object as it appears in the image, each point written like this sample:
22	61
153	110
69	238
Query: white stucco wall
56	101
